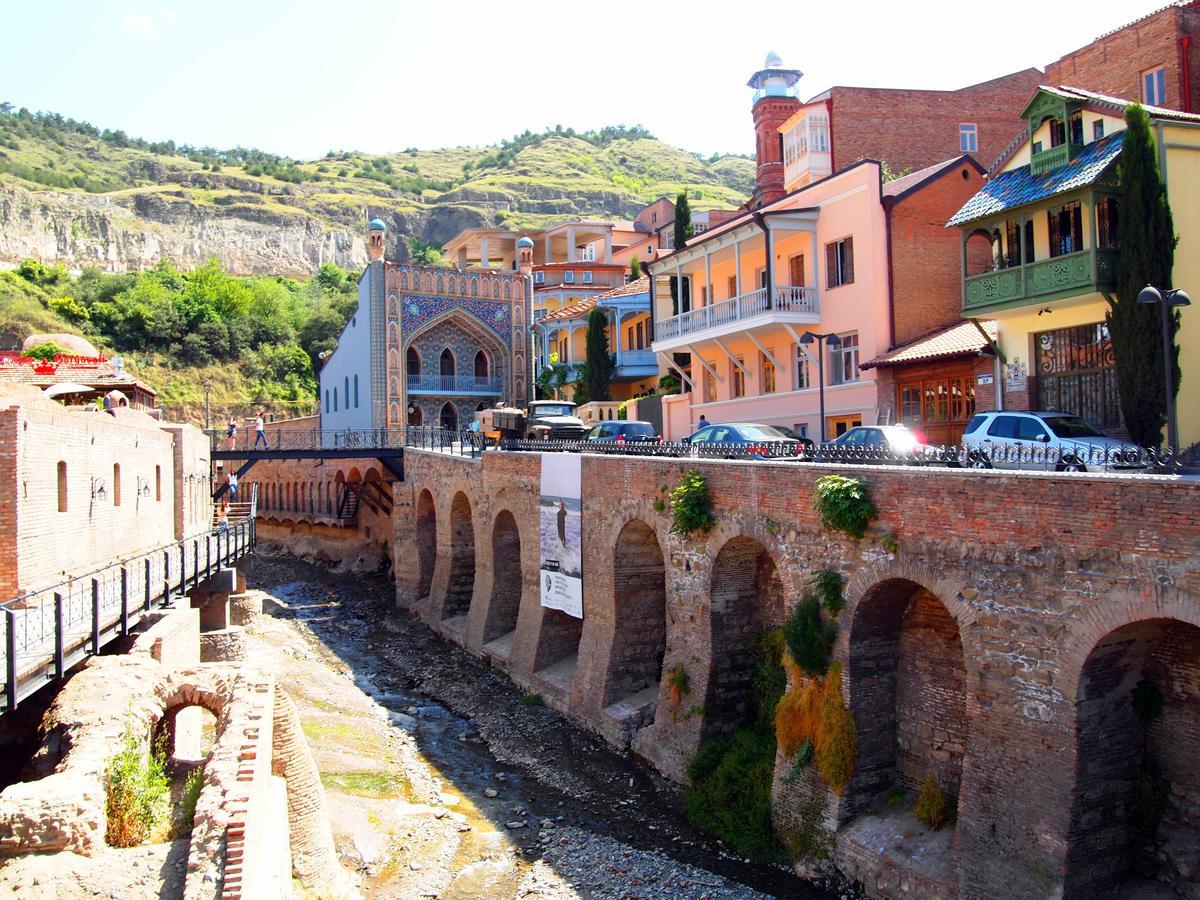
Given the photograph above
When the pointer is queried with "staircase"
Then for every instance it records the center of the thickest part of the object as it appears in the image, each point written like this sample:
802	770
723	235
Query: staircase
347	509
246	506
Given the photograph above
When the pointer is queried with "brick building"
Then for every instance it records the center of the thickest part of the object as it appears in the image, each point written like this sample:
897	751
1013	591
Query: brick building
430	345
1152	60
80	488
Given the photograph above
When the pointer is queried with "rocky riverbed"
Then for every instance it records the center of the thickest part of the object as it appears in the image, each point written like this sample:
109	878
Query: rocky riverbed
441	782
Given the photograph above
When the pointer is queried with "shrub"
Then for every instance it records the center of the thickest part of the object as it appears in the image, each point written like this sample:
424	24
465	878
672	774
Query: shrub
48	350
844	505
691	504
828	586
138	792
836	744
678	685
186	814
933	804
797	716
769	681
730	791
808	637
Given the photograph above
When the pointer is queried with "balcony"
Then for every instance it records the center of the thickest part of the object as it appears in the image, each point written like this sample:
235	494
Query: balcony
791	304
1043	162
1037	282
453	384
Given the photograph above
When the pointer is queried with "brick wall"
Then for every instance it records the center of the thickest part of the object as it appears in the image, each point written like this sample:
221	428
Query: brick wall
963	651
1113	64
914	129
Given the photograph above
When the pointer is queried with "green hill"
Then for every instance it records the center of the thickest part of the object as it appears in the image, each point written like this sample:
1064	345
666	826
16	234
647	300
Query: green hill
71	192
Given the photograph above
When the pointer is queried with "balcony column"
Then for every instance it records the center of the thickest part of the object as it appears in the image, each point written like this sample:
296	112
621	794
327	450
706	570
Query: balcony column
708	285
1093	232
770	267
737	267
570	243
484	259
679	299
608	248
617	329
549	249
1032	252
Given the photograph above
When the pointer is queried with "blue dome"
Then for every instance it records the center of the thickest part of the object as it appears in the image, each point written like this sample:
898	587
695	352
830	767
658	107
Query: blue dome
525	243
376	225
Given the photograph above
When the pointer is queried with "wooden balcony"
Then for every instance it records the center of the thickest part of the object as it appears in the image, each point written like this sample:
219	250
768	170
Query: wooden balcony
1059	277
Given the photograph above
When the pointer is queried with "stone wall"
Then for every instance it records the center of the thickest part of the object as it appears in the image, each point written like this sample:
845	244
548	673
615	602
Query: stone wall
971	647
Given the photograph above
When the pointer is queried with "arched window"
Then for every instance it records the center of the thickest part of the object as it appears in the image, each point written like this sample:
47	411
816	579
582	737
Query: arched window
481	365
326	399
346	395
412	361
414	415
116	484
449	417
335	399
447	362
62	487
356	390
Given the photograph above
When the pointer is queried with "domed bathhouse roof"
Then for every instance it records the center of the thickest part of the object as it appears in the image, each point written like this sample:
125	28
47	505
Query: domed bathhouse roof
525	243
376	225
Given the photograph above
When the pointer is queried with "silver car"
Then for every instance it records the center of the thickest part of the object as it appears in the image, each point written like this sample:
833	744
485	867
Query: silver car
1047	441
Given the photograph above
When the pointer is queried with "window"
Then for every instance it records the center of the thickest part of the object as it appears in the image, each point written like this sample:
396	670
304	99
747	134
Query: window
1106	222
569	276
1154	87
768	373
704	295
62	487
1037	148
1066	229
587	277
738	376
1012	239
356	391
1097	129
412	359
968	137
539	277
843	359
116	484
710	382
1028	242
447	363
629	337
157	482
731	286
1075	128
641	340
801	429
335	406
346	395
326	399
1058	132
802	380
1077	373
839	263
796	270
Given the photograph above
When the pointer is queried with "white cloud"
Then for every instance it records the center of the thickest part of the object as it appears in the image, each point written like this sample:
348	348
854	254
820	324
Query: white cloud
138	26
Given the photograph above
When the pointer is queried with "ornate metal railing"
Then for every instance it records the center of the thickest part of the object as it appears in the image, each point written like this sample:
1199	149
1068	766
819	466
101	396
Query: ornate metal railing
783	298
49	630
455	384
315	439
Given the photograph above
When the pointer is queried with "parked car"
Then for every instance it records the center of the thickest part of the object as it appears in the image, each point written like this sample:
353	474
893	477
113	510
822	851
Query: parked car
623	431
877	444
1050	441
804	439
744	438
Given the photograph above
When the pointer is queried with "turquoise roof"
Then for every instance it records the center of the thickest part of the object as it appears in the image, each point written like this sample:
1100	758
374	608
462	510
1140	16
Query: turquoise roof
376	225
525	243
1018	187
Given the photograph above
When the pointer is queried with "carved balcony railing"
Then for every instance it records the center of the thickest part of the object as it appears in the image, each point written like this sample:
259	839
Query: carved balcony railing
1060	276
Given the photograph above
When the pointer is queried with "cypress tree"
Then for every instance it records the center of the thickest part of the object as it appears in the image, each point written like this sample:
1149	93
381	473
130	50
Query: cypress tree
635	269
598	368
1146	241
683	220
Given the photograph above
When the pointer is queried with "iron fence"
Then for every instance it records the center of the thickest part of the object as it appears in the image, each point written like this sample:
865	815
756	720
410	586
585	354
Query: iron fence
49	630
310	439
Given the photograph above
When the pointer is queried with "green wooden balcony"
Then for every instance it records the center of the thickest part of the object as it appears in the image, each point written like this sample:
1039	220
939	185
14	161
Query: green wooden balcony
1047	279
1041	163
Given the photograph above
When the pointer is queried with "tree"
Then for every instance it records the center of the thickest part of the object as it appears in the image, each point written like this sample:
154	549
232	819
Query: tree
598	367
635	269
1146	241
551	377
47	351
683	220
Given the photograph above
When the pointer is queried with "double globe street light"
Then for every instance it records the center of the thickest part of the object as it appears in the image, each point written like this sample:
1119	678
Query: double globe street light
822	341
1169	299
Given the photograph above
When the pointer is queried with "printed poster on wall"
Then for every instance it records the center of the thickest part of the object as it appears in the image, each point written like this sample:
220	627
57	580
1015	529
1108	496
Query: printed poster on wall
561	530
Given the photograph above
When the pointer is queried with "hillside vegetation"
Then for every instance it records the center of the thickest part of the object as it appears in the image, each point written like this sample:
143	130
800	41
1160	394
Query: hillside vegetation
165	191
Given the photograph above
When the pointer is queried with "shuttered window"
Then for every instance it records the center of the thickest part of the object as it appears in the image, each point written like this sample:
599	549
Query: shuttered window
839	263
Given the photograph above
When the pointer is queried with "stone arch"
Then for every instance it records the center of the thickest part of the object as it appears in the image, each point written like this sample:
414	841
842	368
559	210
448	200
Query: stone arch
461	584
447	364
747	598
413	360
448	417
507	580
1136	797
179	724
982	250
426	543
414	415
640	616
909	682
482	363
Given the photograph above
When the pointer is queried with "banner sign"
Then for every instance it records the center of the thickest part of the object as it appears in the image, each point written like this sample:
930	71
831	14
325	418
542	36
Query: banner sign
560	527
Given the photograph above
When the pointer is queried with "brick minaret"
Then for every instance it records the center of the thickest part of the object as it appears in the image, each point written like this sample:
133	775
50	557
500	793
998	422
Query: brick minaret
774	102
375	232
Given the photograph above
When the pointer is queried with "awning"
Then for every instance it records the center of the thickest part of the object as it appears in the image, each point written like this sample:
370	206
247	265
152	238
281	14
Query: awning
68	387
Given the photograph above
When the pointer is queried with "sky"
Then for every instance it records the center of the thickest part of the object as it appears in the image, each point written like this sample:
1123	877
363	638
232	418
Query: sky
300	77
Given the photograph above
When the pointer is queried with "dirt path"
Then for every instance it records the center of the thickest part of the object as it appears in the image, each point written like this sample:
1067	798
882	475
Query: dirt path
440	783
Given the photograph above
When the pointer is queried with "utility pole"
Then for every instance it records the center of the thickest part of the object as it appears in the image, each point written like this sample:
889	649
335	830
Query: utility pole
207	410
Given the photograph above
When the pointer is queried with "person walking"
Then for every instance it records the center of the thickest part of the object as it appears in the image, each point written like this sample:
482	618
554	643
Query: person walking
703	423
231	432
233	487
260	434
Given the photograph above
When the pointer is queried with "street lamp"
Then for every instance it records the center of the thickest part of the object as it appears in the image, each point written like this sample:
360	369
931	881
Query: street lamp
207	418
1169	299
822	340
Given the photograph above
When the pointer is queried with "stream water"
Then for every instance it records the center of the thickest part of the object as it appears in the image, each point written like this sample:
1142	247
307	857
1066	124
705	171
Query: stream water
505	762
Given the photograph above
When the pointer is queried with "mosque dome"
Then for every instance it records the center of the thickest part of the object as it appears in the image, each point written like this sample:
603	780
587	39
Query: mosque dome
525	243
376	225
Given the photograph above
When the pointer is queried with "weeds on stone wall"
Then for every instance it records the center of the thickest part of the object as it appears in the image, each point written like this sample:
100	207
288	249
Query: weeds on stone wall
730	775
138	792
844	505
185	812
691	504
809	637
812	724
678	687
890	543
829	588
934	806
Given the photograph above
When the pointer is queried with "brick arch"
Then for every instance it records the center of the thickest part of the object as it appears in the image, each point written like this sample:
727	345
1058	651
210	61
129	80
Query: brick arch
508	574
426	543
911	653
639	614
461	584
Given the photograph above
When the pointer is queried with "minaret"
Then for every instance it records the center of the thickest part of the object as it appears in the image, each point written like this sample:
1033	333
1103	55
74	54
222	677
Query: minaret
524	352
375	233
525	255
775	99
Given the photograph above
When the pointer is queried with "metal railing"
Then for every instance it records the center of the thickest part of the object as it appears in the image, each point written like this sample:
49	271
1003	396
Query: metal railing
636	358
315	439
455	384
49	630
783	298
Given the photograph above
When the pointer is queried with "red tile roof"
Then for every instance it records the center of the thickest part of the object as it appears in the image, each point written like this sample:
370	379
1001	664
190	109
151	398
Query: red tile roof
95	372
581	308
960	339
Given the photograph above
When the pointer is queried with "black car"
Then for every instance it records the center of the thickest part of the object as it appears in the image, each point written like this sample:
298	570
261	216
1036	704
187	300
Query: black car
745	439
876	444
623	431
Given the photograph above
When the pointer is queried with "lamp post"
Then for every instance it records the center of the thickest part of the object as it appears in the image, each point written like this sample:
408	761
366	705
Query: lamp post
822	340
207	417
1169	299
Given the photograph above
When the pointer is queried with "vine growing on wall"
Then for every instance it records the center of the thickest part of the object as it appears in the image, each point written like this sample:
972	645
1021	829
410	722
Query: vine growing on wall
812	724
844	505
691	504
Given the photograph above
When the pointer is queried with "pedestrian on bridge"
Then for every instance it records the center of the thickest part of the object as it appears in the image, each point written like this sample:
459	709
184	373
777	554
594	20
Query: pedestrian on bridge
260	434
233	486
231	432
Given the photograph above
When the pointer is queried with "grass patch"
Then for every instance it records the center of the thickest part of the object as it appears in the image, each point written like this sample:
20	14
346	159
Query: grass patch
532	700
185	810
378	785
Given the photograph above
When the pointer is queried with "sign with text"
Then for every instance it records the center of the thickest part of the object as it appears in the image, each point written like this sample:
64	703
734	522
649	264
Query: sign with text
560	528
